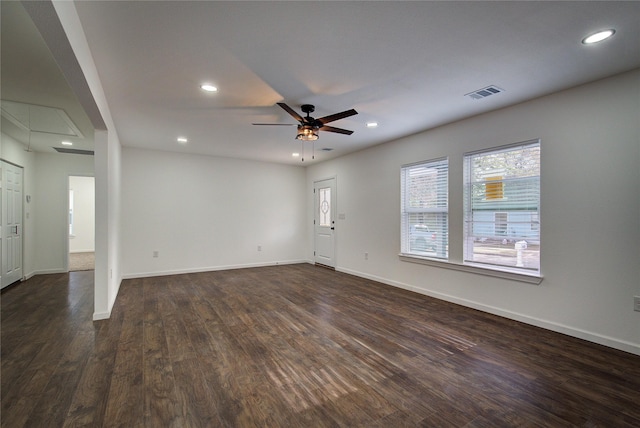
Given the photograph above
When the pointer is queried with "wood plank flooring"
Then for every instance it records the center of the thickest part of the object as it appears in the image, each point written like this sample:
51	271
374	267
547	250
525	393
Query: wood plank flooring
292	346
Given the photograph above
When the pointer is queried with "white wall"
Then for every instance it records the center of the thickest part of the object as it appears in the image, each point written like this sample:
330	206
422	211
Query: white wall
206	213
114	199
84	214
86	84
590	211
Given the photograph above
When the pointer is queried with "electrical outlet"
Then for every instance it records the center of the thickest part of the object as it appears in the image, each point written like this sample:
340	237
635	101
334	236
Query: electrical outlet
259	247
636	303
366	256
156	254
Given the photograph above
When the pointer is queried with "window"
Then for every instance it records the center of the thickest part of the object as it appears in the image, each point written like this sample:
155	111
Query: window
502	208
325	206
70	212
501	221
424	189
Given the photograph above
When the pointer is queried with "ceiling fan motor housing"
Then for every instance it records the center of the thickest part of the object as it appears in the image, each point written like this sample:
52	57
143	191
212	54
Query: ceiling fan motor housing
307	108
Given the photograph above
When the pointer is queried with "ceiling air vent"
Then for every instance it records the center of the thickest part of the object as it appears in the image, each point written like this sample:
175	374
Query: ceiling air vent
484	92
74	151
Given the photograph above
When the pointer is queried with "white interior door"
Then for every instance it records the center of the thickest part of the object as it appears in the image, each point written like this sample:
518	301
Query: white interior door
11	225
324	222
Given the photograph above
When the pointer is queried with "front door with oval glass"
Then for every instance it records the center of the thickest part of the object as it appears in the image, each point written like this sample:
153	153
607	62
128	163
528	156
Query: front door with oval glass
324	222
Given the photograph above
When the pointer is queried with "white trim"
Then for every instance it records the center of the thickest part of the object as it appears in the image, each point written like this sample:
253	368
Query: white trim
505	147
440	159
48	271
468	210
97	316
477	269
73	236
208	269
623	345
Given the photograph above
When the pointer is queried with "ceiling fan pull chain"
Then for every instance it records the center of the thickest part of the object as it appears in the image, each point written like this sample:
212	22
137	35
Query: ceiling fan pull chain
313	150
302	144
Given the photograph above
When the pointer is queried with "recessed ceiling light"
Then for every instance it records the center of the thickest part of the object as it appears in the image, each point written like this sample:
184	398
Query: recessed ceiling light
598	37
295	155
182	140
372	124
209	88
67	143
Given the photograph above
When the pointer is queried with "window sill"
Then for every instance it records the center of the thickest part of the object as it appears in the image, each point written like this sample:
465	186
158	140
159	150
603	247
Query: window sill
505	274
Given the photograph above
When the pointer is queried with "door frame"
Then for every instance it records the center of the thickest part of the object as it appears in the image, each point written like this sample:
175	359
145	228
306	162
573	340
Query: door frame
334	217
66	245
22	219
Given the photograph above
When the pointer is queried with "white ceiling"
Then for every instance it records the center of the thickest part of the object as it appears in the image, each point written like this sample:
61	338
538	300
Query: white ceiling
405	65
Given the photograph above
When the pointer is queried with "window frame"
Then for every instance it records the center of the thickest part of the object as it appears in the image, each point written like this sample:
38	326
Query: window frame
71	204
468	237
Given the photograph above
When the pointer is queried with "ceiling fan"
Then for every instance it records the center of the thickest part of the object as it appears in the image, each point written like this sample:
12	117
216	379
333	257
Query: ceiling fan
308	126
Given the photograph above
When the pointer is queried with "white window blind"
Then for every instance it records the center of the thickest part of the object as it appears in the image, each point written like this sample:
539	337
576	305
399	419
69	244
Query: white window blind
502	207
424	189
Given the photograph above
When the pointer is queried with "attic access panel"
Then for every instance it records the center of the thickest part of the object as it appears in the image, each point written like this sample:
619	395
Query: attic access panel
41	119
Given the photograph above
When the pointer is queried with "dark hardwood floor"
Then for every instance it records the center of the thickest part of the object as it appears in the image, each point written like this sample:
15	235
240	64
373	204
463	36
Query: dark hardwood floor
292	346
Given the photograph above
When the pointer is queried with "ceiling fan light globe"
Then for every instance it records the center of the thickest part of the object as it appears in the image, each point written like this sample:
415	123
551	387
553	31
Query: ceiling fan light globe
307	133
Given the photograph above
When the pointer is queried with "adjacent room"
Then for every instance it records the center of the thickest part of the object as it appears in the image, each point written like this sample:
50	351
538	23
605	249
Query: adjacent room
81	223
320	213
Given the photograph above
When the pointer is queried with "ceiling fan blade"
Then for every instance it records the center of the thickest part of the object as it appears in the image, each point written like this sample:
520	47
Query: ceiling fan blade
291	111
274	124
336	130
337	116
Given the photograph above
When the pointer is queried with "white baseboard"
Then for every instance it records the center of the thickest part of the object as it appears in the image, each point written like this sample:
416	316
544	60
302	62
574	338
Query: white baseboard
611	342
97	316
207	269
47	271
81	251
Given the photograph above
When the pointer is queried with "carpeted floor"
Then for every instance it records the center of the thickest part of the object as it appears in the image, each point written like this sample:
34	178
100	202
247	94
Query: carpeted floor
81	261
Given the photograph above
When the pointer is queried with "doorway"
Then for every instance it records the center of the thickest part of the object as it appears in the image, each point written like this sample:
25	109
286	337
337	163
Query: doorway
81	223
324	222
